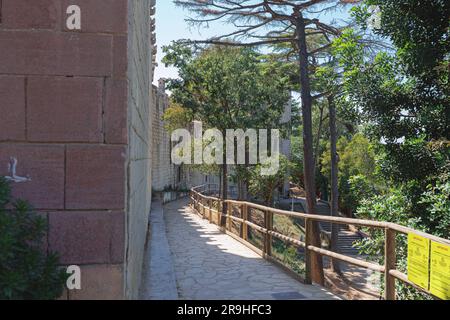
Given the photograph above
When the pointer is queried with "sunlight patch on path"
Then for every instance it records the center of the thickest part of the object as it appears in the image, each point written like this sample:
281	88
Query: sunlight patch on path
211	265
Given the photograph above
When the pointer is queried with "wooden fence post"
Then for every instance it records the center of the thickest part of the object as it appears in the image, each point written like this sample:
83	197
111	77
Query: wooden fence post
308	242
203	207
268	218
244	225
390	261
230	212
210	204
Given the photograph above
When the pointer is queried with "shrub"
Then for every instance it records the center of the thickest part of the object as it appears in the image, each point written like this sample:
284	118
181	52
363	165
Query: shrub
398	206
27	272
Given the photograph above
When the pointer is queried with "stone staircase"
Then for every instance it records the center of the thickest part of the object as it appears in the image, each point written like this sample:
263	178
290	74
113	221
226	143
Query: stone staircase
346	237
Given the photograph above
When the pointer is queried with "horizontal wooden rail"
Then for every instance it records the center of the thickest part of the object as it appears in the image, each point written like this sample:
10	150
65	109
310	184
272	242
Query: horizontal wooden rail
293	241
344	258
202	203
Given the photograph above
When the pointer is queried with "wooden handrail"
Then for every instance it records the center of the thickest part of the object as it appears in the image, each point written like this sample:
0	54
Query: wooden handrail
391	230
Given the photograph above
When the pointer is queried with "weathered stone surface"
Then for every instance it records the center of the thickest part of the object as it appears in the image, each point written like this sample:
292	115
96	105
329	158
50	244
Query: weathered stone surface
120	63
100	16
159	281
12	108
87	237
62	109
30	14
44	165
116	112
100	282
49	53
95	177
139	167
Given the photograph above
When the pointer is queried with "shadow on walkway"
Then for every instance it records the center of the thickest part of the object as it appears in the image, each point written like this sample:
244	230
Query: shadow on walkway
210	265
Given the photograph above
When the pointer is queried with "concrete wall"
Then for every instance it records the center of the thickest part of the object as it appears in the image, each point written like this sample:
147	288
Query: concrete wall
74	111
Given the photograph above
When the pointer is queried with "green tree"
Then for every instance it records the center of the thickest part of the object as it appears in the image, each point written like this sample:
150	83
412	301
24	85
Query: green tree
357	167
403	95
227	88
176	117
262	23
264	186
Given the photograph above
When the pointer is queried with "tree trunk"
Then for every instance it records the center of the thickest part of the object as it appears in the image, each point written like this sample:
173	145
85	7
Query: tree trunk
334	183
319	133
308	148
219	193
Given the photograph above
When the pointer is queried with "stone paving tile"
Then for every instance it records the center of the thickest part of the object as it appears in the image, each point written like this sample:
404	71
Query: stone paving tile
210	265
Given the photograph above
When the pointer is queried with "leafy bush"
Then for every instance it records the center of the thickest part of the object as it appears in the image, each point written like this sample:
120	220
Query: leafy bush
437	200
398	206
27	272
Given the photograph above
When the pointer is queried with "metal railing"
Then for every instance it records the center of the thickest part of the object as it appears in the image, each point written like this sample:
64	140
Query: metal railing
211	208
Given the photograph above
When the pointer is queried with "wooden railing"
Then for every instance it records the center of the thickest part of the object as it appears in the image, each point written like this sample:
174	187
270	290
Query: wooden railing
210	207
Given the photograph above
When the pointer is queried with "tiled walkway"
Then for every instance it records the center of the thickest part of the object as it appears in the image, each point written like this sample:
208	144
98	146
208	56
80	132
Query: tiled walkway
210	265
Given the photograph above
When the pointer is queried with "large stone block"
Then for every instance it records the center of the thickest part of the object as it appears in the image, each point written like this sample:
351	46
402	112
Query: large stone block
88	237
120	55
101	16
95	177
30	14
49	53
116	112
62	109
100	282
43	165
12	108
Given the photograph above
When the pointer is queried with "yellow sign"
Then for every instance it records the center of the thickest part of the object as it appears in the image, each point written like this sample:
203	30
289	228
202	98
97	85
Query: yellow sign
418	260
440	270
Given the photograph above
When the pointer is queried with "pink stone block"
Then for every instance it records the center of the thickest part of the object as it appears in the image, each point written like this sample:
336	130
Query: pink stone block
30	14
12	108
92	237
64	109
100	282
50	53
44	165
116	130
95	177
101	16
120	56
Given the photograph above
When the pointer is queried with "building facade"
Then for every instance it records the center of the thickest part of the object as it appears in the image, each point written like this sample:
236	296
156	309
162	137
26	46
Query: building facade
75	130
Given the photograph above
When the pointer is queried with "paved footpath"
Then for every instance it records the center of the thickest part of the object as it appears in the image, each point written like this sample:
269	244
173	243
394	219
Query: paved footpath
210	265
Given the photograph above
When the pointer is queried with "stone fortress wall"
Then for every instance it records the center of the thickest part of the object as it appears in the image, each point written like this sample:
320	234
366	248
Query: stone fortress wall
75	131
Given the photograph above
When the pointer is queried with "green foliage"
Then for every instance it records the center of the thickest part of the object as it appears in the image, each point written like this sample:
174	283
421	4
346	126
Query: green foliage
419	29
394	206
437	201
176	117
357	169
398	205
411	160
227	88
404	94
263	186
26	271
289	256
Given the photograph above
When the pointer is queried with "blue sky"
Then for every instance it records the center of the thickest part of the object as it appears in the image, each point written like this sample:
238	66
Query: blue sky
171	25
